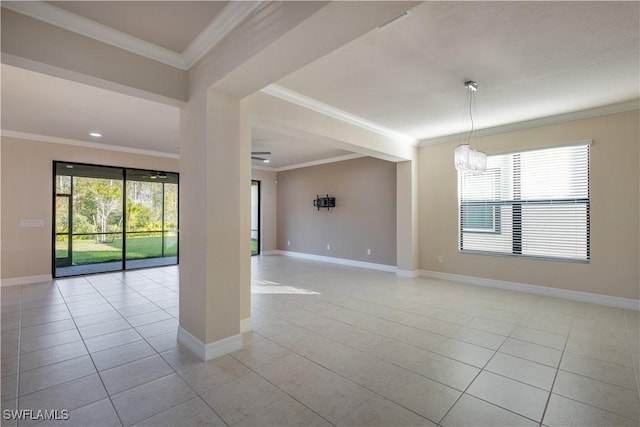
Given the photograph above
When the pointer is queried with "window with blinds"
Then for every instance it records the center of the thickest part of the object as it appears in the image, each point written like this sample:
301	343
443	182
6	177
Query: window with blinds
530	203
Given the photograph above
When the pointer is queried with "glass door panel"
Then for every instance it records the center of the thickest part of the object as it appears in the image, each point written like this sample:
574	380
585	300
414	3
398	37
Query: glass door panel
152	218
109	219
88	219
97	221
63	230
170	220
255	217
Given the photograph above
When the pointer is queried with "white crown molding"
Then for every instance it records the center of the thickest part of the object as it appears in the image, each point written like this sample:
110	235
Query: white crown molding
78	24
544	121
86	144
611	301
263	168
319	162
311	163
25	280
328	110
226	21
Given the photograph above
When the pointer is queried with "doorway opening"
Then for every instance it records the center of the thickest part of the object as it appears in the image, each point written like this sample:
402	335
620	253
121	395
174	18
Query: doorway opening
255	217
110	219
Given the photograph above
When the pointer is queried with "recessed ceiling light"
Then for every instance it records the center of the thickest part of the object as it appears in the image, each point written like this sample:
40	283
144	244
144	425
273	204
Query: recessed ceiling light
95	134
266	160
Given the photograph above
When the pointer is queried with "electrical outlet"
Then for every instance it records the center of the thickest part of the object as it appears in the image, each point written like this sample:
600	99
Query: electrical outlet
32	223
440	259
288	242
328	247
368	251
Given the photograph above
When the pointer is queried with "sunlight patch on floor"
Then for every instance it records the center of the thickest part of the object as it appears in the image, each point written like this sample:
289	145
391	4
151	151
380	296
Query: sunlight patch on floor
268	287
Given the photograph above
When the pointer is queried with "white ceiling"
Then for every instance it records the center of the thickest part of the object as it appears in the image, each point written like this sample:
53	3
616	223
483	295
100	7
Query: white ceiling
287	150
531	60
41	104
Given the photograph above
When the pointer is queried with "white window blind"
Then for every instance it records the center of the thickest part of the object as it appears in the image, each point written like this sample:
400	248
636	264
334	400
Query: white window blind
531	203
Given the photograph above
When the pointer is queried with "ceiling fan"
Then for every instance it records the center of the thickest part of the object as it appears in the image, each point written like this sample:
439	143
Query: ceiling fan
255	154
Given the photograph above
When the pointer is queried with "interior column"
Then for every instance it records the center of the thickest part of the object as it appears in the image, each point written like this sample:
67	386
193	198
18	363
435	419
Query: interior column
407	218
215	178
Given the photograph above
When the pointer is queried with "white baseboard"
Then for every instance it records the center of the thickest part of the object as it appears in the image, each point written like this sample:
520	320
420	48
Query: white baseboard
270	252
408	274
611	301
245	325
341	261
25	280
211	350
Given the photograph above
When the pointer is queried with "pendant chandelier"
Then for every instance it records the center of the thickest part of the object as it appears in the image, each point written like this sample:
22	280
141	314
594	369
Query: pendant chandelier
466	158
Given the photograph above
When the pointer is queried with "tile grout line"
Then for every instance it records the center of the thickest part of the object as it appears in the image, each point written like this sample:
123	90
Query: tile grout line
419	348
89	353
565	370
326	367
445	337
570	317
422	349
633	362
563	352
413	372
277	386
381	359
483	369
464	325
350	379
161	357
287	393
595	407
467	388
140	294
555	377
19	352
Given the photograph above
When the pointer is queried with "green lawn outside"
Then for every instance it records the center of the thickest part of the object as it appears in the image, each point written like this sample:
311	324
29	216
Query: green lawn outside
90	251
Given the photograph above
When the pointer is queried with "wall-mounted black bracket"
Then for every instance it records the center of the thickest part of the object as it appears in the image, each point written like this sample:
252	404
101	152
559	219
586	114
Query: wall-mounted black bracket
324	202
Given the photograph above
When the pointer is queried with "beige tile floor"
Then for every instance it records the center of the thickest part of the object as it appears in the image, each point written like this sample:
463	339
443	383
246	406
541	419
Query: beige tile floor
331	345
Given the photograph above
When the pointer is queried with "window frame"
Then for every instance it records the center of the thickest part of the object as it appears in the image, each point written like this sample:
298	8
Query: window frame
516	203
495	206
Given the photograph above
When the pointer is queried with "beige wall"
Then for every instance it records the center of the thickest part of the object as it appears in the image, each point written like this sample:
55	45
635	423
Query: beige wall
27	194
614	191
268	210
364	216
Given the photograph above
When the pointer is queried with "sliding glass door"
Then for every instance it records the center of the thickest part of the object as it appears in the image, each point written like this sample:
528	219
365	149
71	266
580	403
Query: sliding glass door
255	217
152	218
88	219
109	219
63	230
